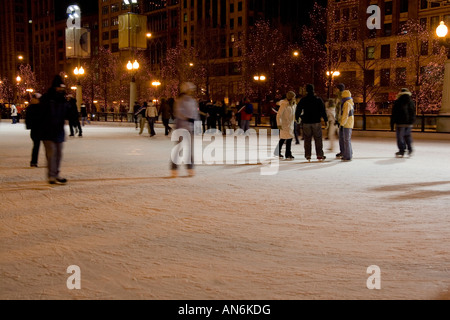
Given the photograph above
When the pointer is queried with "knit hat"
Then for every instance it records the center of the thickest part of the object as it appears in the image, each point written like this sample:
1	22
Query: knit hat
310	88
405	91
290	95
341	87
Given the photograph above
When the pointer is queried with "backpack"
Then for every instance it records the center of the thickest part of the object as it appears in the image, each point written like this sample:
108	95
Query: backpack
249	108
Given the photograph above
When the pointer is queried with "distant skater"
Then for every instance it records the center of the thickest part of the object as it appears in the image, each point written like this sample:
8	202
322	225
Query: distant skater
403	118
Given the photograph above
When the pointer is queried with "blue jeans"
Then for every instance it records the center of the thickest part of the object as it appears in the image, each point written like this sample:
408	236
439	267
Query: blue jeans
245	125
404	138
345	141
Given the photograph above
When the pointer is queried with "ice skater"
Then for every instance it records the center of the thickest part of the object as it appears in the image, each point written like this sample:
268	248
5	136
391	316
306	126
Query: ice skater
186	113
285	123
403	118
346	123
311	110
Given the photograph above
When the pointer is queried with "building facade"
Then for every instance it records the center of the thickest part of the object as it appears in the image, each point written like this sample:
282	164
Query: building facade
15	33
376	63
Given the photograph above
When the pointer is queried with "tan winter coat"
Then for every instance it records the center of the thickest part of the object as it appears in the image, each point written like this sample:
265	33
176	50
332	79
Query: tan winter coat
285	119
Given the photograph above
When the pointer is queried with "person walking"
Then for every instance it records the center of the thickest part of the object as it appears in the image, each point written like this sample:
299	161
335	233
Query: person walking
346	123
151	113
186	113
311	110
54	113
285	123
246	113
14	113
403	118
32	121
74	117
166	115
136	108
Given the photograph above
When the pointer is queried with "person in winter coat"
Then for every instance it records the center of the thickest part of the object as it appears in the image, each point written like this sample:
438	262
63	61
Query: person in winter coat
151	113
403	118
84	115
186	114
74	117
346	123
14	114
285	123
54	113
32	120
246	113
140	116
166	115
311	110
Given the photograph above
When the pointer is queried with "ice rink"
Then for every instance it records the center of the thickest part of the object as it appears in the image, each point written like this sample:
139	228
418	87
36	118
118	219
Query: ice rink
309	232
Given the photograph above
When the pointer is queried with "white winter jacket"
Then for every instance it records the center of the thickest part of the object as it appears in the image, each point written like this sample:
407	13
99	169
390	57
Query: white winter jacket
285	119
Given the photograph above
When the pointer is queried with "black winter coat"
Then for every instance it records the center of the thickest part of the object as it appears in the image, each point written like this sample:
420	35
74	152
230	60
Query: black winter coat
311	109
403	111
54	112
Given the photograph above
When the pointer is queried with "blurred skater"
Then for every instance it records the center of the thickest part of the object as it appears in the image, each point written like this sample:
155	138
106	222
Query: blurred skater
32	121
403	118
186	113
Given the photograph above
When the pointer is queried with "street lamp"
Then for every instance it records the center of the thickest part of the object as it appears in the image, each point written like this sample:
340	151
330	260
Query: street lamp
331	75
443	123
259	80
78	71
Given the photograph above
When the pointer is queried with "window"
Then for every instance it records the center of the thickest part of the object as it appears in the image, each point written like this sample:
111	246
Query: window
105	35
105	10
423	4
387	29
343	55
353	55
345	34
105	23
370	53
404	6
114	34
423	23
434	23
388	8
230	52
400	76
345	14
369	77
240	21
115	7
401	50
424	48
115	21
385	77
231	23
355	13
386	51
337	15
354	34
232	38
240	6
185	19
337	35
115	47
231	7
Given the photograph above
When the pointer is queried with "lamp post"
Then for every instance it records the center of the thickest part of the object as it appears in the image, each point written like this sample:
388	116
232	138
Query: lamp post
79	71
259	80
156	84
133	68
331	75
443	123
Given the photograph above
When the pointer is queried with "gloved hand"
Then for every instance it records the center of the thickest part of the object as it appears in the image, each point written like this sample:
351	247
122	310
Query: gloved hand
280	128
337	124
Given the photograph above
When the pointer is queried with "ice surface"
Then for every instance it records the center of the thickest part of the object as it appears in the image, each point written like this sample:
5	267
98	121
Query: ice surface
309	232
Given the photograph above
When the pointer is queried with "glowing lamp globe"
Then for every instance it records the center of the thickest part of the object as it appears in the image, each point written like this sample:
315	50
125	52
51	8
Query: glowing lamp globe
442	30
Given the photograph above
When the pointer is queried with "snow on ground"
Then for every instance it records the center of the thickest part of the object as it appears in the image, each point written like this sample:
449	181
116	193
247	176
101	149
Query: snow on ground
309	232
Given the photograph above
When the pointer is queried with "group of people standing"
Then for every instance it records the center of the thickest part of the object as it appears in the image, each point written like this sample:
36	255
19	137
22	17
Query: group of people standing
149	113
309	111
